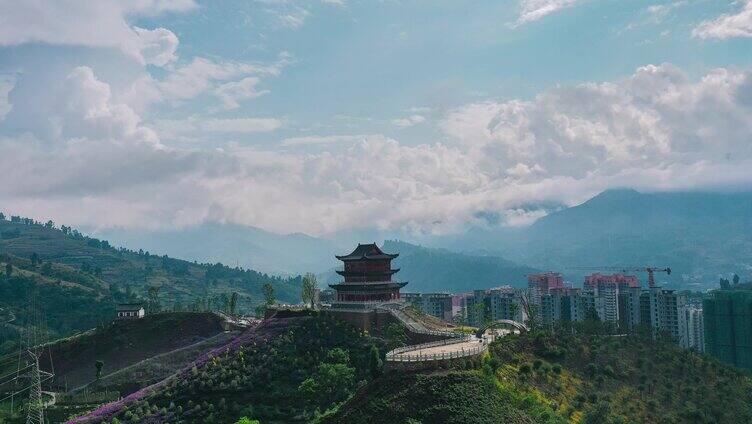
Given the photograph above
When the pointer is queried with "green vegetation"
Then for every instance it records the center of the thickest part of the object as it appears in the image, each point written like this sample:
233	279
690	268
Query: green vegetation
287	370
441	397
562	378
71	273
620	379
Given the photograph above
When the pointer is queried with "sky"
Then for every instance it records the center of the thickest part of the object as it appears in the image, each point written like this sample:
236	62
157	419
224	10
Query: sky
332	115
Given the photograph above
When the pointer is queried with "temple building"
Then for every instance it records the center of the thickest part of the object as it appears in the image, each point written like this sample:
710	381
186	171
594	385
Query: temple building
367	276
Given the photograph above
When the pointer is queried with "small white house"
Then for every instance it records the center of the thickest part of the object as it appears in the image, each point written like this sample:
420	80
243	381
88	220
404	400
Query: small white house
130	311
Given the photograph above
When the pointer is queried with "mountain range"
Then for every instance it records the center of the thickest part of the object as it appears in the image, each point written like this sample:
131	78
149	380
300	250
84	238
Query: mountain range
700	235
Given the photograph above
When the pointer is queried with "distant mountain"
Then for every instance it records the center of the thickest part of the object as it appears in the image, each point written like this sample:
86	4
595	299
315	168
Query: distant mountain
439	270
699	235
288	254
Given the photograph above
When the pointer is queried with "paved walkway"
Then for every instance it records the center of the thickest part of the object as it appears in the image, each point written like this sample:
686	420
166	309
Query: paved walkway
446	349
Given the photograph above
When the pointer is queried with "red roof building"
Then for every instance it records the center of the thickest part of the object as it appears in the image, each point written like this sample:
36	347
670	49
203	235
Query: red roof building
367	276
600	281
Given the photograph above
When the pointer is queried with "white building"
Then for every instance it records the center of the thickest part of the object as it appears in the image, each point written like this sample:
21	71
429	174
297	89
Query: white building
130	311
695	332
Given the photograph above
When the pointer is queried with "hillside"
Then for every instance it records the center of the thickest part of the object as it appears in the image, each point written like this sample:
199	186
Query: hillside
282	371
455	397
699	235
122	343
67	263
558	379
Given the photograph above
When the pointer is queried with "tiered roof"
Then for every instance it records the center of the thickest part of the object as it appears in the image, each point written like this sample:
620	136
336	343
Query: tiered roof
367	252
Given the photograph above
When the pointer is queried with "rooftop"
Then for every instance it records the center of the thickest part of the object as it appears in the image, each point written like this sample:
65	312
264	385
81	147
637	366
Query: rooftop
367	251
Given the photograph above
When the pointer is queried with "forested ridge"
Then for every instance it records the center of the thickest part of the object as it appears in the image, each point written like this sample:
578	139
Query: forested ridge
77	280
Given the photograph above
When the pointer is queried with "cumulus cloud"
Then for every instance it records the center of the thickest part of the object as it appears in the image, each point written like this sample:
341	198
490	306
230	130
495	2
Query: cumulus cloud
655	129
728	26
532	10
81	107
101	23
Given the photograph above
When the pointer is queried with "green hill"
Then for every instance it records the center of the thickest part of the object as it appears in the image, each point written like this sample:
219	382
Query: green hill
78	279
563	378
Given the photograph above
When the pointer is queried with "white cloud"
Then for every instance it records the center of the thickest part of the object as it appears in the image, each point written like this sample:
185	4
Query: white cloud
728	26
409	121
532	10
242	125
322	139
6	85
158	46
100	23
294	18
232	92
84	109
656	129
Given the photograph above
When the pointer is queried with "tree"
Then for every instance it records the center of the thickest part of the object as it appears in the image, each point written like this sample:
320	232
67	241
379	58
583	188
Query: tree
514	308
99	365
233	303
308	289
735	279
154	305
246	420
374	362
395	336
8	269
34	258
269	294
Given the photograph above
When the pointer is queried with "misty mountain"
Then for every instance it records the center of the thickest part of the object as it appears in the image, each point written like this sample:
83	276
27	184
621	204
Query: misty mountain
440	270
699	235
233	244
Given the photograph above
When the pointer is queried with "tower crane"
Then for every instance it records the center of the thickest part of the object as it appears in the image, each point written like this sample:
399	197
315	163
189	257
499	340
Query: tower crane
651	270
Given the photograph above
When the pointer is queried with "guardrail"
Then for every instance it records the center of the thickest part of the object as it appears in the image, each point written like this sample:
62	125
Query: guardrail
421	357
402	354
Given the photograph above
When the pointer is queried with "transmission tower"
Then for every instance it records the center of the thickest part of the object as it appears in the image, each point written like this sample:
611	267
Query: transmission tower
35	413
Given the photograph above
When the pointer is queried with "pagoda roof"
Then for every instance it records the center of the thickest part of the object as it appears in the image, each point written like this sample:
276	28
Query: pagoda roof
381	285
366	273
367	251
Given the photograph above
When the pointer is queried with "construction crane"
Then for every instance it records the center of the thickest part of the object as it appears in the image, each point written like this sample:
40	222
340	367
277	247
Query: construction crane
651	270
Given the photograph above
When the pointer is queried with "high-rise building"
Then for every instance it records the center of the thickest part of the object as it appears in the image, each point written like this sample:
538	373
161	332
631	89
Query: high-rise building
663	311
727	317
695	336
497	303
541	284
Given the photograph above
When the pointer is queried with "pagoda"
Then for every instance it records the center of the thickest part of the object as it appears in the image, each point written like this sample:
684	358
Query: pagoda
368	276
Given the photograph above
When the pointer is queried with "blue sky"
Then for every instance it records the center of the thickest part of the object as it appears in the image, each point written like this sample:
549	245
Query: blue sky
410	115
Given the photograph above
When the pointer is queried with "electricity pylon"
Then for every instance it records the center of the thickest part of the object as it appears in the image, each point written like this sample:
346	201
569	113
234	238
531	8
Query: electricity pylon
35	413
